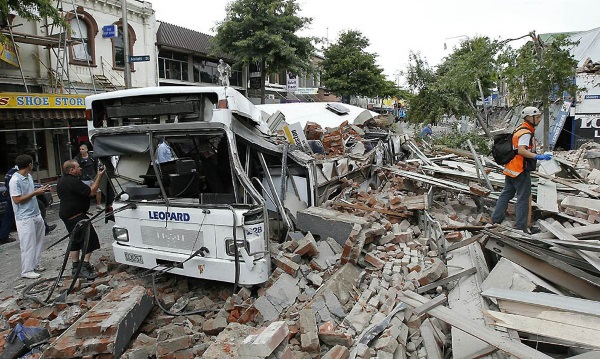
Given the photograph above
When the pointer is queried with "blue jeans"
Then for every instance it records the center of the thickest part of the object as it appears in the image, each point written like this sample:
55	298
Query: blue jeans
521	185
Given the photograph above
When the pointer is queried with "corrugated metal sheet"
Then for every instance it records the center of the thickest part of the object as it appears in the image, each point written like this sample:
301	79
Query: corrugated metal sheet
589	46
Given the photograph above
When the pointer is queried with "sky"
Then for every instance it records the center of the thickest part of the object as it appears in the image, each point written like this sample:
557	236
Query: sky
396	27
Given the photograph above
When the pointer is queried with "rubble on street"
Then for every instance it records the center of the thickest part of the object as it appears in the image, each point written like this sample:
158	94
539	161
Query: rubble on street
404	265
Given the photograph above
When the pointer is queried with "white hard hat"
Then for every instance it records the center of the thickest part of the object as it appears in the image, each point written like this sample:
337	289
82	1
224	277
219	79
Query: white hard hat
530	111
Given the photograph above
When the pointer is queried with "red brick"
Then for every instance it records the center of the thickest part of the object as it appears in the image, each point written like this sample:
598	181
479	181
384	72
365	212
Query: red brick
287	265
337	352
374	261
454	236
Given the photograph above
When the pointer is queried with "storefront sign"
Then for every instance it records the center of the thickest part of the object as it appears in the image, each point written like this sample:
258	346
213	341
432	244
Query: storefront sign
295	136
307	91
292	82
8	53
41	101
559	123
587	128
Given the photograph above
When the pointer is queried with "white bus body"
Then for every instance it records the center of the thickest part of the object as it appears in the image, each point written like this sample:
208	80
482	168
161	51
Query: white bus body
206	213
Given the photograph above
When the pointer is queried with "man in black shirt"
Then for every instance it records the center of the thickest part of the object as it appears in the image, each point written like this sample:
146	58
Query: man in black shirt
74	203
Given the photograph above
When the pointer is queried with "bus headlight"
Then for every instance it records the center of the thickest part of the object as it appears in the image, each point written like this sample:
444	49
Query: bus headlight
230	248
120	234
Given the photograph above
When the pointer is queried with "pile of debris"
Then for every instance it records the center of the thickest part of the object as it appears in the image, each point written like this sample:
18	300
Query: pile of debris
404	265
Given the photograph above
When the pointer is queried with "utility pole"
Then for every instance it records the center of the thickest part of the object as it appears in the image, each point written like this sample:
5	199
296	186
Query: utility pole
127	72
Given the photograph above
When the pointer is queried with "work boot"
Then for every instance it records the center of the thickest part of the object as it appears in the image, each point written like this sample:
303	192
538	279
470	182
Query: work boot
532	230
74	269
88	271
50	228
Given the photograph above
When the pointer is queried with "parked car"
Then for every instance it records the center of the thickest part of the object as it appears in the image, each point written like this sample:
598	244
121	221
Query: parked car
44	200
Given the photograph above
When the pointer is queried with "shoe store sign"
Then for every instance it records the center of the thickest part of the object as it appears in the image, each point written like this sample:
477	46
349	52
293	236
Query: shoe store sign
41	101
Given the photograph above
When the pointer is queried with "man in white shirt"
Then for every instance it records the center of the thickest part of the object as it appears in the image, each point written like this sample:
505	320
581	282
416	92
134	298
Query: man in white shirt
30	224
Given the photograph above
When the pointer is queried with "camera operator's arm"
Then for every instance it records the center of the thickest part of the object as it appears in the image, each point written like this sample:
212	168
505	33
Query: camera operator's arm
94	187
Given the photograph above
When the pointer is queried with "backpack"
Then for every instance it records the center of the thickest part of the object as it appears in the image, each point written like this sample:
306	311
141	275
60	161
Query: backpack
502	150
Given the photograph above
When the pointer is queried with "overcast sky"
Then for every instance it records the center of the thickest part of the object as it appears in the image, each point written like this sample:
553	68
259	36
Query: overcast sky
395	27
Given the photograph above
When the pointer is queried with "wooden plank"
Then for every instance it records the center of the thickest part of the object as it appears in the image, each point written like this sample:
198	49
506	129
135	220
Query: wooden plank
533	311
546	300
431	304
482	332
580	187
464	242
429	342
583	232
590	257
372	209
547	198
580	203
465	299
588	355
509	275
546	270
446	280
564	332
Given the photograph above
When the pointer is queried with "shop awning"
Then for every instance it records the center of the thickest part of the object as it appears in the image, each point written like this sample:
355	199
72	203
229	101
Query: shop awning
50	114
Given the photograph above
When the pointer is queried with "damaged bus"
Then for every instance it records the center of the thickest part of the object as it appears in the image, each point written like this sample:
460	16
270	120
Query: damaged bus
209	211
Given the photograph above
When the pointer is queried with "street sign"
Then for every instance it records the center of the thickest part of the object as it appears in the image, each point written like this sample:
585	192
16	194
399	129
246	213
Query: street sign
109	31
140	58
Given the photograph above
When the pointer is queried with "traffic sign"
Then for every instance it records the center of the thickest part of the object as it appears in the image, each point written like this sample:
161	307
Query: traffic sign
140	58
109	31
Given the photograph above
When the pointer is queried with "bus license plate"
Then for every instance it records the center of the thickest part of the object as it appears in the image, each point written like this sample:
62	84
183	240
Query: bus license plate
134	258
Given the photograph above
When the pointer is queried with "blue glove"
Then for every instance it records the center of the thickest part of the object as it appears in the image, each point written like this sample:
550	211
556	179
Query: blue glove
544	157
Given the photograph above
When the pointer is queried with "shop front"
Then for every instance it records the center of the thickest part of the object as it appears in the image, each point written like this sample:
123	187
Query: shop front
49	127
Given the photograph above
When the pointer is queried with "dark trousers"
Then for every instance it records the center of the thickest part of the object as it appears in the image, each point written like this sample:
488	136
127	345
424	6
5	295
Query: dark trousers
94	242
8	221
521	186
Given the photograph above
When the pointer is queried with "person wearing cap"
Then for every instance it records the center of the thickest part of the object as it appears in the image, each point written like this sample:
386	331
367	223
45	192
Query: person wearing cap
518	171
426	132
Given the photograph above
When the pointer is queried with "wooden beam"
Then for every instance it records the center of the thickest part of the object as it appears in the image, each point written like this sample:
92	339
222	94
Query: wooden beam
464	242
580	336
545	270
362	207
429	341
446	280
580	187
481	332
431	304
590	257
546	300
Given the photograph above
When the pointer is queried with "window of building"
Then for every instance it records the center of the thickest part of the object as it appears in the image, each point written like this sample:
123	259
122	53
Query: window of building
205	71
82	33
173	66
119	46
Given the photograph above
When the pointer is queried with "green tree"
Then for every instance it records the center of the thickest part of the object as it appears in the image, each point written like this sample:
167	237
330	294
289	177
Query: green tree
265	31
348	70
32	10
426	103
539	72
465	76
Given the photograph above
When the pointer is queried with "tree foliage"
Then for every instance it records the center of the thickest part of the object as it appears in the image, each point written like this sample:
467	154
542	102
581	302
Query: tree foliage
537	72
349	70
33	10
532	74
265	31
455	86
